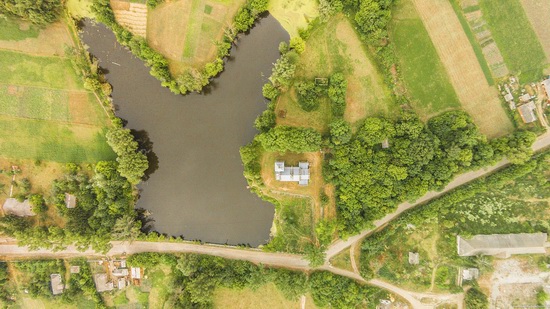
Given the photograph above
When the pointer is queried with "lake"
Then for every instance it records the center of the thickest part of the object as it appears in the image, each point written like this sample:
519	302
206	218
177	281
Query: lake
198	190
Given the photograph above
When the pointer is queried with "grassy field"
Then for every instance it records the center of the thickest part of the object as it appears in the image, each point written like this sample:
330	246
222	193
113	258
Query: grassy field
334	47
476	95
293	14
14	30
265	297
538	13
515	38
186	31
45	112
424	75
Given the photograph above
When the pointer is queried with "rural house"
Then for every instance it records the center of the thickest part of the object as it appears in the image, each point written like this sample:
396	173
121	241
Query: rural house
502	245
414	258
70	200
57	284
21	209
546	86
527	112
298	174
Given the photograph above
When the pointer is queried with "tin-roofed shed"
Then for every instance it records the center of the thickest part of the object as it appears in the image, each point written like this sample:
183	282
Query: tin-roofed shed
502	245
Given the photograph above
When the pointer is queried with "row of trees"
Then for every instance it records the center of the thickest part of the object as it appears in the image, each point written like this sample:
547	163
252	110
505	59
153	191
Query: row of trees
132	163
192	79
197	277
39	12
371	181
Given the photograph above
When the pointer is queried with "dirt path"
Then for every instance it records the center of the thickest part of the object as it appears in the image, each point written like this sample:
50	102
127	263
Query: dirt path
352	250
477	97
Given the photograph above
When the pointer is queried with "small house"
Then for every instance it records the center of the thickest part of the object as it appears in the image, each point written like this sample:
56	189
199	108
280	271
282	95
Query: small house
414	258
136	272
508	97
120	272
385	144
502	245
21	209
57	284
470	274
70	200
527	112
102	284
121	283
525	98
546	86
299	174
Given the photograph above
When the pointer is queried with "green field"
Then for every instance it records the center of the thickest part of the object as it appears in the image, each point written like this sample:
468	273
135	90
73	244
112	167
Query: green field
424	75
515	38
52	72
194	28
11	29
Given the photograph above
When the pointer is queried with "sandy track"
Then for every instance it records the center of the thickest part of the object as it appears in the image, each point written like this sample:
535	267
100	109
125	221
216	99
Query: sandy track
479	99
538	13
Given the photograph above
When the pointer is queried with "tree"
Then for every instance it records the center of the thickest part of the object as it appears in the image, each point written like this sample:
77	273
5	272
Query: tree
298	44
133	166
38	203
475	299
294	139
39	12
337	94
126	228
308	95
340	132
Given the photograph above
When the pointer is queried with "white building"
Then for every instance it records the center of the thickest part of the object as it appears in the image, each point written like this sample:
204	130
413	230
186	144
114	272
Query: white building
298	174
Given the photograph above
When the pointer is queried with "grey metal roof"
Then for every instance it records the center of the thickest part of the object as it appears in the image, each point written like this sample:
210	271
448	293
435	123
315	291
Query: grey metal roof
506	244
70	200
527	112
57	284
14	207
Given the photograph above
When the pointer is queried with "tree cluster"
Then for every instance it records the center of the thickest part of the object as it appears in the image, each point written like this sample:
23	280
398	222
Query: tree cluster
197	277
39	12
371	181
293	139
309	94
132	163
39	272
337	94
475	299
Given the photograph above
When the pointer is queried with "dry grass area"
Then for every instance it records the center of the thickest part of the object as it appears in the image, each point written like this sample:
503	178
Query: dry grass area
185	31
294	14
366	94
316	182
538	13
132	16
265	297
479	99
51	41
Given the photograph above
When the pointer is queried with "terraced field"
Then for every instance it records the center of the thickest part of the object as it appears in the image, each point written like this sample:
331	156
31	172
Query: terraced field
132	16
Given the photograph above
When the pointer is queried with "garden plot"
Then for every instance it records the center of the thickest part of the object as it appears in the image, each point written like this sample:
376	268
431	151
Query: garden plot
485	39
16	35
477	97
132	16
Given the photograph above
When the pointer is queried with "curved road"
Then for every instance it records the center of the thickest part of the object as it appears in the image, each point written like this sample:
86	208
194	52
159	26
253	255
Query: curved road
9	249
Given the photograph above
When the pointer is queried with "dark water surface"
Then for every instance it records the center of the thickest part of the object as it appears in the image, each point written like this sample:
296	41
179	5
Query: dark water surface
198	190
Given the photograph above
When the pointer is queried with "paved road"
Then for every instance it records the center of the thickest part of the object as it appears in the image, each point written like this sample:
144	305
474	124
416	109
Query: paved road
542	142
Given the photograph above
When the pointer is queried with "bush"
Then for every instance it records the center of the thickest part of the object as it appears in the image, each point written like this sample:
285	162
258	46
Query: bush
294	139
475	299
337	94
38	12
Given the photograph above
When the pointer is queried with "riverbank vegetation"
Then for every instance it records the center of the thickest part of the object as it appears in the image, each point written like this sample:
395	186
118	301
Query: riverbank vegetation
191	79
513	200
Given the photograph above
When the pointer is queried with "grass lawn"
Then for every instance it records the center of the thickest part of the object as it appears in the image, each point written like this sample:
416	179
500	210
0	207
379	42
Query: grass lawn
515	38
52	141
15	30
293	223
51	72
424	75
342	260
293	14
79	8
334	47
264	297
185	32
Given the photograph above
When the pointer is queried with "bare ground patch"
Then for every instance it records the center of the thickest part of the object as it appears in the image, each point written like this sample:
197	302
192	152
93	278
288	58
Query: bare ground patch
538	13
80	108
51	41
479	99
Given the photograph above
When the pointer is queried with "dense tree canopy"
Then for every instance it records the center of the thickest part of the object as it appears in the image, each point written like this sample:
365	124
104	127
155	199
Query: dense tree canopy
37	11
372	180
131	163
294	139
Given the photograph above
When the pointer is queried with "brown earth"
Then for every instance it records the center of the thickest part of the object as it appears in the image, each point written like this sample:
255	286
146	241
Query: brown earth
538	13
80	109
132	16
51	41
479	99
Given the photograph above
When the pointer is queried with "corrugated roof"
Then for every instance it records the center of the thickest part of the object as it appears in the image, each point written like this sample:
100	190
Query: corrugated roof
502	243
21	209
527	112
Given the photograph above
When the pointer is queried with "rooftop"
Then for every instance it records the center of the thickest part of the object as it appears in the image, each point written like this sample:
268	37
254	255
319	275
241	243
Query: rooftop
70	200
298	174
502	244
57	284
101	283
527	112
14	207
